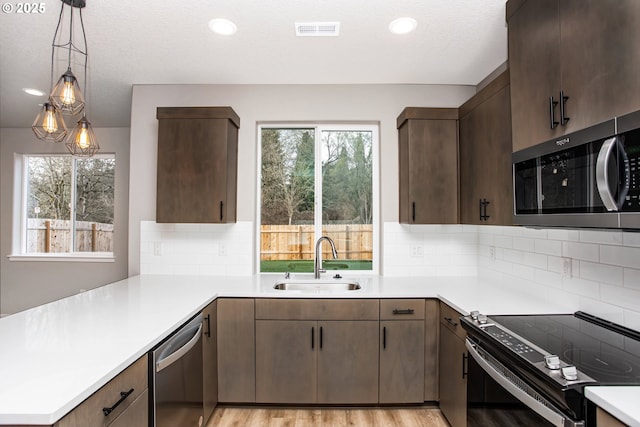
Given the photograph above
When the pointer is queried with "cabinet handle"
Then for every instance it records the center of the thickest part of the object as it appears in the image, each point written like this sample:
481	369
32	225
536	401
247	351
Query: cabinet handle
313	338
320	337
413	211
465	363
221	206
405	311
451	322
208	331
563	99
552	112
384	337
123	396
483	209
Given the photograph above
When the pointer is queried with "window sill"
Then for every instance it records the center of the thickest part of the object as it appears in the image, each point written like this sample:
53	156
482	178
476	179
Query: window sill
65	257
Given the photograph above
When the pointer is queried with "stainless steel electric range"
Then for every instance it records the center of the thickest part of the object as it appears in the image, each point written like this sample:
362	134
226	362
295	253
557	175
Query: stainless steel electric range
531	370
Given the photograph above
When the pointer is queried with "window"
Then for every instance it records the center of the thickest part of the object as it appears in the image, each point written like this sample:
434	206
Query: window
318	181
67	204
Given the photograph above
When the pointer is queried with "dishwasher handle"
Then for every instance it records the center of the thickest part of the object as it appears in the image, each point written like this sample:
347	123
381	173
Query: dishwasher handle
167	361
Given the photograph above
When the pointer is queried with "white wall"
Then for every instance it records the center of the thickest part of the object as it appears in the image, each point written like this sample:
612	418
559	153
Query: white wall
261	103
25	284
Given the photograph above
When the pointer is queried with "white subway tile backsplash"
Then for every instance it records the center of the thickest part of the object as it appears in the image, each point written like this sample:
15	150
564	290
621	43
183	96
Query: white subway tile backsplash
582	251
563	234
524	244
631	278
602	273
503	241
624	256
194	249
604	237
582	287
622	297
548	247
535	260
631	239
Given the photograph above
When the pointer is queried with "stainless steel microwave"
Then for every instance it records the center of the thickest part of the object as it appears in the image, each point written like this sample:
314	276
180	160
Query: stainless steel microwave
590	178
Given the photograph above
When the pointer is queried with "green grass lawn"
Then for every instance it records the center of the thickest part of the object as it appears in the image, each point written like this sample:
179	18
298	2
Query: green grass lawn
306	266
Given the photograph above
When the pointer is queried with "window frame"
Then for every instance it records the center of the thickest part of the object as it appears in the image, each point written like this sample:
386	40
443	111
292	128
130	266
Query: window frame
20	217
319	127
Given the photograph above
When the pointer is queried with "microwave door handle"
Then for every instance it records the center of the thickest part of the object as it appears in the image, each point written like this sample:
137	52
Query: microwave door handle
175	356
603	163
530	398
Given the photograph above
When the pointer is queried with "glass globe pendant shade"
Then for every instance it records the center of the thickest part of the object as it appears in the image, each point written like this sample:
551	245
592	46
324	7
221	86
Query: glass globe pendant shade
82	142
66	94
49	124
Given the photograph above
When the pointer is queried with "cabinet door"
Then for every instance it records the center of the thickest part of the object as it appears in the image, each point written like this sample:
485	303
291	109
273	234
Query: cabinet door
534	63
431	326
135	415
236	350
453	382
348	362
429	171
196	176
485	162
286	361
402	361
210	359
600	59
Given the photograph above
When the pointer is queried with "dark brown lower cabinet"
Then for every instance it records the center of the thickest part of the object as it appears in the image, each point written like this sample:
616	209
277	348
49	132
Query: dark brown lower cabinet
402	361
210	359
286	360
326	362
236	350
453	378
348	362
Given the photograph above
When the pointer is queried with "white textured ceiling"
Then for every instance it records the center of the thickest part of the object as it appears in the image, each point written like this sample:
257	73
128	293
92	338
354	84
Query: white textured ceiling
169	42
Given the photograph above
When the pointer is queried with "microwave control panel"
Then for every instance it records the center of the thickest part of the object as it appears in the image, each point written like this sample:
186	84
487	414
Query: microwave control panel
632	148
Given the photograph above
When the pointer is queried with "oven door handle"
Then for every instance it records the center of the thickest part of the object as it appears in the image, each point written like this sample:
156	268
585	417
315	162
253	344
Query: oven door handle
521	391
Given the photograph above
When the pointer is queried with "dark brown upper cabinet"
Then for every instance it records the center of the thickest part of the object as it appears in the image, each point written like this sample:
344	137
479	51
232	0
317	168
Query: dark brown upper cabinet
428	165
486	189
197	164
573	64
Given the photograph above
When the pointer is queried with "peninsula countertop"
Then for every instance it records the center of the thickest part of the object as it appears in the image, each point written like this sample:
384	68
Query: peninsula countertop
56	355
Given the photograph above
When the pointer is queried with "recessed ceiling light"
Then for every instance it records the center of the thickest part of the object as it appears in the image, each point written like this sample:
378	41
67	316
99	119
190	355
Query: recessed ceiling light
222	26
403	25
34	92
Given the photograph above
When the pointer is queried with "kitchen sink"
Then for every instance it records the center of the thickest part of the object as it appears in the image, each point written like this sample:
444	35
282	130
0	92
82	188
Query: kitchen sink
312	285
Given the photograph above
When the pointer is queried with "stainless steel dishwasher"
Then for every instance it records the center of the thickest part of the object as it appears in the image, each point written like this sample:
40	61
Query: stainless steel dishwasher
177	378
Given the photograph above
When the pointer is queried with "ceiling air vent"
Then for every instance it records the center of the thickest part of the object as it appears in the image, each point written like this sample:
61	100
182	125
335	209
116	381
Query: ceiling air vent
317	29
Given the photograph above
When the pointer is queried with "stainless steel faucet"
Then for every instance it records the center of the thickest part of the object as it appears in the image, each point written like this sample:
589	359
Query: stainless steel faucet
317	267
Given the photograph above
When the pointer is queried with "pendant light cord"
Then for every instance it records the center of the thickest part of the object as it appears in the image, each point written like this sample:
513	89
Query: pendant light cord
53	45
86	57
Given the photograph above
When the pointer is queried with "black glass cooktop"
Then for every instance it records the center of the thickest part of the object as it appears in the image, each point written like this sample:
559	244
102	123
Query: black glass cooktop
606	352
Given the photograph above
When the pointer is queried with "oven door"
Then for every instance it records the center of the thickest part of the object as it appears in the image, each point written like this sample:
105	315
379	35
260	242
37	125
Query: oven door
498	397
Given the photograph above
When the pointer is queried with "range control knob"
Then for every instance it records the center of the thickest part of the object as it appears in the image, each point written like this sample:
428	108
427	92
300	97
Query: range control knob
552	362
475	314
569	373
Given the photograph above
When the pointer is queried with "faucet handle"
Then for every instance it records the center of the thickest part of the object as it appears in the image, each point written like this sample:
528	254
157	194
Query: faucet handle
287	275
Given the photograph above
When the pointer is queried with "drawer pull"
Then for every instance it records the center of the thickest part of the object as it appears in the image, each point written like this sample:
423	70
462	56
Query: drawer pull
406	311
451	322
123	396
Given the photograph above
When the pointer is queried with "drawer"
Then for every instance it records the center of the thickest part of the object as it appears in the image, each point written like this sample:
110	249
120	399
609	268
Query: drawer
317	309
401	309
90	412
450	318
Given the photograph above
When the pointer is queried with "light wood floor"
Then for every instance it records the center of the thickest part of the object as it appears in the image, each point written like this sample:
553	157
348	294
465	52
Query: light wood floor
420	416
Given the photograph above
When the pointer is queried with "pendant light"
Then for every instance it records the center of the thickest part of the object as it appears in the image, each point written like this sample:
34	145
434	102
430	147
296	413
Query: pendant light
49	125
66	96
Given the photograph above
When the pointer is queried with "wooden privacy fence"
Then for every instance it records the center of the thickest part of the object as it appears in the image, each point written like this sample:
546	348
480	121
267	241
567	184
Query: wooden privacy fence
296	242
52	235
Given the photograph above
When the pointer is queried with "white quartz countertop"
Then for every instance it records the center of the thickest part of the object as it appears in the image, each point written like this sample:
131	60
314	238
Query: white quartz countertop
54	356
621	402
